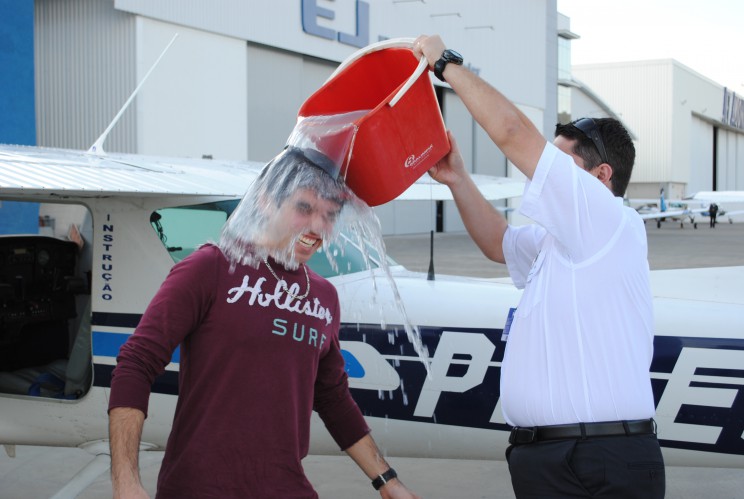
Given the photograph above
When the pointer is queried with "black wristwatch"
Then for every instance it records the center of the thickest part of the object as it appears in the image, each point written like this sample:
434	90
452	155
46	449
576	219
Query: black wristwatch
448	56
384	478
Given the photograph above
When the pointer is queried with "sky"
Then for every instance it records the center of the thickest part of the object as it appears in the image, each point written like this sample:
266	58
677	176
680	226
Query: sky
704	35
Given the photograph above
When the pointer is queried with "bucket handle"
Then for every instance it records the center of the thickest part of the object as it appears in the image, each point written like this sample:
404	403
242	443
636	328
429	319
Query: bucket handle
386	44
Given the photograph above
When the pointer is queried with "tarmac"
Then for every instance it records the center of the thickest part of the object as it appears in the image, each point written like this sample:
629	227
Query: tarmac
669	247
39	472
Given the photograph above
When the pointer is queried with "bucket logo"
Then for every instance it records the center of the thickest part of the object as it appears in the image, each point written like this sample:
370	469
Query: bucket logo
413	161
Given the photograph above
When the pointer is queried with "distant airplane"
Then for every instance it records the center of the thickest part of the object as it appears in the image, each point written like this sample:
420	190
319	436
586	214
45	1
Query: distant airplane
722	197
677	210
719	196
72	291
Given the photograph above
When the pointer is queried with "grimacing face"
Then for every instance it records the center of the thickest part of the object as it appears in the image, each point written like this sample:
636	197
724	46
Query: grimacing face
304	219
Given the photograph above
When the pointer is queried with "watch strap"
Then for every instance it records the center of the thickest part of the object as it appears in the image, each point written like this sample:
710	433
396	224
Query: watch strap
384	478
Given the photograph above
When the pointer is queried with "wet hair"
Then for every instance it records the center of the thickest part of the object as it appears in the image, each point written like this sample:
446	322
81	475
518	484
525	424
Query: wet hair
297	168
243	235
618	146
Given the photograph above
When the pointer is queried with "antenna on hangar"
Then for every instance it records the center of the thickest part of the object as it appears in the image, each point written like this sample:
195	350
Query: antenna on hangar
97	147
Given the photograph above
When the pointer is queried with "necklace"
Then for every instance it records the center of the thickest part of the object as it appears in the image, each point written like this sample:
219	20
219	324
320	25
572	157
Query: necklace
284	283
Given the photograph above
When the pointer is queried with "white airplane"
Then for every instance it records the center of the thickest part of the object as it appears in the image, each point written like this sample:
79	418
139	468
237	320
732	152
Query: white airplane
731	214
68	303
661	209
720	197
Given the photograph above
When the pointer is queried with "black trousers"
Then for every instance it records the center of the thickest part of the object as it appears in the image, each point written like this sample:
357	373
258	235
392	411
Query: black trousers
622	467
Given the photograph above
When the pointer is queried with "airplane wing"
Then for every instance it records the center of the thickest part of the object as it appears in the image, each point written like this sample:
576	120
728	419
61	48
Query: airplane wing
664	214
492	188
79	173
731	214
720	196
677	214
641	203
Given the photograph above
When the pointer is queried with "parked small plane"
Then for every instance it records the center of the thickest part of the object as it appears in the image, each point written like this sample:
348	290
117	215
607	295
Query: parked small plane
720	197
73	290
676	210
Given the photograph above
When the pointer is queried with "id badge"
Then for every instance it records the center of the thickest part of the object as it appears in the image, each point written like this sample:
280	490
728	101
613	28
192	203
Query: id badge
507	326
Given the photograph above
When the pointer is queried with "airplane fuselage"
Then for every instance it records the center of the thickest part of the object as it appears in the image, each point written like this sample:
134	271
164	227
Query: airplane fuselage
455	411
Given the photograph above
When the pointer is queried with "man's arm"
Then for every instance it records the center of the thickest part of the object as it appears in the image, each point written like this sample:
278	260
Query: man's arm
368	457
344	420
510	130
125	432
483	222
508	127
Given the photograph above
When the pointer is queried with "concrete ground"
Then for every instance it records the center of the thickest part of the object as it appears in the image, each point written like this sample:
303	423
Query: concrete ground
669	247
38	472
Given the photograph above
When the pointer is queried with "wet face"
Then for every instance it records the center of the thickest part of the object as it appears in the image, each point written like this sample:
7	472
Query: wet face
303	219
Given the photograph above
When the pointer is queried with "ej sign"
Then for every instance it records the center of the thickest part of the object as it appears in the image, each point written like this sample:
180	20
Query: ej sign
311	12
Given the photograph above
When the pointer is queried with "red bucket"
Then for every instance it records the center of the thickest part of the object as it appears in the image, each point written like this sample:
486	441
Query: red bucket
400	133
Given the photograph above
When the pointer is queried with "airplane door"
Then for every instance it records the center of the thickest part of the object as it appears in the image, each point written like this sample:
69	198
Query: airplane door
45	307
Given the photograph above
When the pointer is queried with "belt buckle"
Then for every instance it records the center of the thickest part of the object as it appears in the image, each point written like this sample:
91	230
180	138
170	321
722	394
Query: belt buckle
521	435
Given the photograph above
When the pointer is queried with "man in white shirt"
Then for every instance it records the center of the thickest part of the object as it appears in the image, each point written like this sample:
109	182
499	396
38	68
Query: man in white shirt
575	379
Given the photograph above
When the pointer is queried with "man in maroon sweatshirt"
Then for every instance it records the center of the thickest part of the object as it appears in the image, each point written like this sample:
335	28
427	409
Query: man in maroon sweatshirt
260	351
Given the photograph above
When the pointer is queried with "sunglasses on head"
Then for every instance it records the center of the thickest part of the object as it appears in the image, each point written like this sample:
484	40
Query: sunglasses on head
315	158
589	128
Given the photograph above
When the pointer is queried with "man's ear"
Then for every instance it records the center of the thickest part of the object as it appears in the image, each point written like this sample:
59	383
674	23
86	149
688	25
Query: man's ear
605	172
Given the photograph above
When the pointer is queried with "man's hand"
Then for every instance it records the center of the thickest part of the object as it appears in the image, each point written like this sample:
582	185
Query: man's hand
395	489
508	127
134	491
369	458
429	46
450	170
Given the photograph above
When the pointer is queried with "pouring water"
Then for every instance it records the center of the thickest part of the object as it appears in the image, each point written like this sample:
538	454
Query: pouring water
255	232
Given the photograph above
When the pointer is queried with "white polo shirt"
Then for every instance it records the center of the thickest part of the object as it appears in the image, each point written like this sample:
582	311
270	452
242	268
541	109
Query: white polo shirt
581	342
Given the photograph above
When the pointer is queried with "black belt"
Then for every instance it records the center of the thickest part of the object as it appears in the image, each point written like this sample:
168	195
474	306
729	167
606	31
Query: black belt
528	435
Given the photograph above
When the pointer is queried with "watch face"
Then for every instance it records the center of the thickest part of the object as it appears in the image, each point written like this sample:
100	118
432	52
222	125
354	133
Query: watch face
452	56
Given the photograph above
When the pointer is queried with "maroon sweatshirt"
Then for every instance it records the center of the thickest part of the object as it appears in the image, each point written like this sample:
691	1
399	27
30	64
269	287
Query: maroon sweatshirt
254	364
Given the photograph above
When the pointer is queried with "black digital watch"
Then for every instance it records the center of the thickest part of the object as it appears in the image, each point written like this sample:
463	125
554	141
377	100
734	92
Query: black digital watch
384	478
448	56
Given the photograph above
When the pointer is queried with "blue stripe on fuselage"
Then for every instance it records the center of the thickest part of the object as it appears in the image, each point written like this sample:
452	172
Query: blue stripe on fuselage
107	344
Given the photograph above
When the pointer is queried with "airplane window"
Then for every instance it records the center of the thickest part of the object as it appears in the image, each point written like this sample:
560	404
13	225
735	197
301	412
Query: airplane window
185	228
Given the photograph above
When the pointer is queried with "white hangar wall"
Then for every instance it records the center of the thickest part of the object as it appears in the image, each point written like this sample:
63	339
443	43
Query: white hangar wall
730	160
683	143
194	102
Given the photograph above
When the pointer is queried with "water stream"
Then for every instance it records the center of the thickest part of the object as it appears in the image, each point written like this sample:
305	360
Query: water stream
318	151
